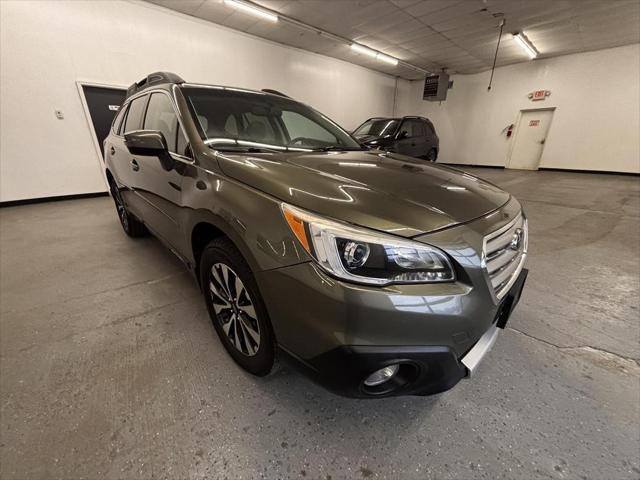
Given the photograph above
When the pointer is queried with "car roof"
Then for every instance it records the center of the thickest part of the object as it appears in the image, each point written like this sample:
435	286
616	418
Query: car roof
168	79
265	91
415	117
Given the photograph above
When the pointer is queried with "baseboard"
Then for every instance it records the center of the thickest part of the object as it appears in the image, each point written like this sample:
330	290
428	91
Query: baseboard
29	201
472	165
577	170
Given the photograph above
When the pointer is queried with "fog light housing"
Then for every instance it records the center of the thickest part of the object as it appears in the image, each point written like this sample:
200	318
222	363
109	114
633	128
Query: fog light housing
381	376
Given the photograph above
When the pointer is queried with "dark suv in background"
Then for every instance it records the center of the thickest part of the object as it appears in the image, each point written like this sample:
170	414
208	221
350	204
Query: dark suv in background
413	136
377	273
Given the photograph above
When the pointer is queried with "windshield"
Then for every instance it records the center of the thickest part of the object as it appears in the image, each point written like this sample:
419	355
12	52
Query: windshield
377	127
234	119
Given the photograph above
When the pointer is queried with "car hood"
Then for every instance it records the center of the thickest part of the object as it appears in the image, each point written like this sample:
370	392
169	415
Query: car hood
383	191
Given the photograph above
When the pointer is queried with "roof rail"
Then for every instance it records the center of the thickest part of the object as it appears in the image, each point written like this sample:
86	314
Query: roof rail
275	92
155	78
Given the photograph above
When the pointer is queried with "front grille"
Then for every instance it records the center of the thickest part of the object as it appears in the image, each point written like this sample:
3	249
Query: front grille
504	253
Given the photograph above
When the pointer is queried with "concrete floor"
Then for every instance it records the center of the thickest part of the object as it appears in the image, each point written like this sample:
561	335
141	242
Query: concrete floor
110	367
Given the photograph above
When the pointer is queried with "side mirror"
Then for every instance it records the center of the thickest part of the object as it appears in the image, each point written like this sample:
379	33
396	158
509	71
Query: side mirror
149	143
145	142
402	134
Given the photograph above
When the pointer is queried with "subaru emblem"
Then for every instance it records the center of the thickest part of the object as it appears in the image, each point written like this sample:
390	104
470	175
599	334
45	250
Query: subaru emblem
516	240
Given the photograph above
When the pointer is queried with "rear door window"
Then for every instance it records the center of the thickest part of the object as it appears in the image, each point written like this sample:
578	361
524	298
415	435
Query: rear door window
117	122
135	113
414	128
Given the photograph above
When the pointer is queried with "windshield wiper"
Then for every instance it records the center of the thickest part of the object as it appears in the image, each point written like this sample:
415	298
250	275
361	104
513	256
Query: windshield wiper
336	148
244	149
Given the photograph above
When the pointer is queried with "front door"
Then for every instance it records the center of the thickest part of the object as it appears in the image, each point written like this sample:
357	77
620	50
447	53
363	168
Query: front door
161	188
530	139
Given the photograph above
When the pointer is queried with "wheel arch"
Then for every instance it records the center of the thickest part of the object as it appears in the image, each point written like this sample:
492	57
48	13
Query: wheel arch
204	227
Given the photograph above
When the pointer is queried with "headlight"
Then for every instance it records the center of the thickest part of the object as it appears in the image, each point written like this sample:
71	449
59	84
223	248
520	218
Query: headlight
365	256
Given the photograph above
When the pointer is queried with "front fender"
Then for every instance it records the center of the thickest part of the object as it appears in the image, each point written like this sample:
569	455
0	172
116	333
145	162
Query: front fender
252	220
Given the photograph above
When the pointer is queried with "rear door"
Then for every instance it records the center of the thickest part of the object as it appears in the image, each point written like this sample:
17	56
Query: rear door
432	138
411	142
421	138
121	162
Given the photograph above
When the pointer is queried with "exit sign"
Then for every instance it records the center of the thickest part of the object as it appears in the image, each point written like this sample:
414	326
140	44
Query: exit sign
539	95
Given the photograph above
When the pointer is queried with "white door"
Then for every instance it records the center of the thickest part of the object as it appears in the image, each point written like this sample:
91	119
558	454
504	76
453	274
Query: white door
530	138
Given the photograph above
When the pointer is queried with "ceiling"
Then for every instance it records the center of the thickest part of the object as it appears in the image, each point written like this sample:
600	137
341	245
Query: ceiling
457	35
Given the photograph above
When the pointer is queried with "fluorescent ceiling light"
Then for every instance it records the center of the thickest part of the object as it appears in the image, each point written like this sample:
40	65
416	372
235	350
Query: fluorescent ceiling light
387	59
526	45
364	50
245	7
356	47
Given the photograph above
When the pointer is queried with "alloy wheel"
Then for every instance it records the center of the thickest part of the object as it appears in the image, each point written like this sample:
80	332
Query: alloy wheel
234	309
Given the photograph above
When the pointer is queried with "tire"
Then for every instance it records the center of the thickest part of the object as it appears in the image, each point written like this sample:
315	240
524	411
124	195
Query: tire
236	307
130	224
431	155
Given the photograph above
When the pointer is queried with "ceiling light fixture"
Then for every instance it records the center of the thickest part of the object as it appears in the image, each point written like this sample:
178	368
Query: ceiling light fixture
245	7
364	50
356	47
268	14
387	59
526	45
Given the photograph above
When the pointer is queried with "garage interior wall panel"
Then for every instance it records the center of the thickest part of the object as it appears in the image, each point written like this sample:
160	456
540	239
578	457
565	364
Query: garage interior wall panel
48	46
596	124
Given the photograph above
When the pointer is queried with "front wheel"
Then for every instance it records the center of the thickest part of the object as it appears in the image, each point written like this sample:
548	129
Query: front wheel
236	307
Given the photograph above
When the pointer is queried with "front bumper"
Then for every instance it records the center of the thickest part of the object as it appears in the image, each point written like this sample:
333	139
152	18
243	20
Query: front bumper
423	370
435	364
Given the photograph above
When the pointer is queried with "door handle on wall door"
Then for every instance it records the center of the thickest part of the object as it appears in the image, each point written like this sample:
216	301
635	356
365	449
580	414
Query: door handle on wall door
134	165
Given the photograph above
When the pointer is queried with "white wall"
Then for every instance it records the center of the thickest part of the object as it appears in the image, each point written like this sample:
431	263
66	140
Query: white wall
46	46
596	124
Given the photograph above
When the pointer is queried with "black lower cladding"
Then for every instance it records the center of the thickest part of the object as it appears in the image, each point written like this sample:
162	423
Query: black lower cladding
424	370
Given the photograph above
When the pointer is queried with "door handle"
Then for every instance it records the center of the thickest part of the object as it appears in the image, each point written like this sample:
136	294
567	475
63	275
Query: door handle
542	141
112	150
134	165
